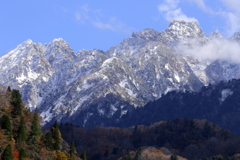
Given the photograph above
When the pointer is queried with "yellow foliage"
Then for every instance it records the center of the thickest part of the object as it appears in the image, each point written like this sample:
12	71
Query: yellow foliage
58	155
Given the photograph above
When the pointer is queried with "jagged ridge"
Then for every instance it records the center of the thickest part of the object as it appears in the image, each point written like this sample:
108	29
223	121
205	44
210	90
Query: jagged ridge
64	84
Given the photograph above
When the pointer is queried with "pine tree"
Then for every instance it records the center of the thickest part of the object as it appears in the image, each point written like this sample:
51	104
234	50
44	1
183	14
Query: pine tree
21	134
116	150
7	153
9	89
6	124
106	154
34	142
49	141
35	128
136	130
96	157
173	157
22	154
72	151
56	135
207	130
16	102
84	156
127	157
138	154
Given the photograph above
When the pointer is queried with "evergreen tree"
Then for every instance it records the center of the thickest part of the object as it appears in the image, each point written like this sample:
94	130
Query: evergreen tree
116	150
136	137
6	124
22	154
21	134
106	154
9	89
16	102
138	154
56	135
96	157
84	156
34	142
136	130
72	151
127	157
7	153
173	157
207	130
49	141
35	128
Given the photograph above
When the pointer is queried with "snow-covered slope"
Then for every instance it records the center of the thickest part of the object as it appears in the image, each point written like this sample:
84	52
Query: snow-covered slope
105	85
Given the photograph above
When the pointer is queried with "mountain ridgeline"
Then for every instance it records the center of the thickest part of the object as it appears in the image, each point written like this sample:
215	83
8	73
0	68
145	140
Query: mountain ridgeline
91	87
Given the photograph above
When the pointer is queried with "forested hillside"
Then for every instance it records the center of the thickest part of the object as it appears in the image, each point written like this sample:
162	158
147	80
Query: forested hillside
182	138
219	103
189	138
21	136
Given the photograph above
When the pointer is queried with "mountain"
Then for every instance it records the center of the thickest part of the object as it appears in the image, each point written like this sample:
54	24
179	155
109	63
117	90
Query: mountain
217	103
93	87
215	34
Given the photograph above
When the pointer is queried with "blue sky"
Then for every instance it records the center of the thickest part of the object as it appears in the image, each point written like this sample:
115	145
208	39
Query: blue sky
92	24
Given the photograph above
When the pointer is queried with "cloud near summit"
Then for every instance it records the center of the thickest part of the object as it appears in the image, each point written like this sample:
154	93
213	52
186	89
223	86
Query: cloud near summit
170	11
229	12
215	49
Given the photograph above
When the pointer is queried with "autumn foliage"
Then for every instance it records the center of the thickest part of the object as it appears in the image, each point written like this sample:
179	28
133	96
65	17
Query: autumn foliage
21	137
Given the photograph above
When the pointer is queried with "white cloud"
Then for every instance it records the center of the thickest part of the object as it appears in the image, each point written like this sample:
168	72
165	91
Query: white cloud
171	11
230	12
85	8
233	22
64	9
86	15
83	14
102	25
232	4
178	15
113	24
80	17
232	16
169	5
216	49
201	4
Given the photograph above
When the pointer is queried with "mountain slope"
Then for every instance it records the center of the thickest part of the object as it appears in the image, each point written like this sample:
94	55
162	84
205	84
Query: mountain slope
216	103
63	84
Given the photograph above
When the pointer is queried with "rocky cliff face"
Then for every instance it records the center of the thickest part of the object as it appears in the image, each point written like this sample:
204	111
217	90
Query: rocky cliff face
93	83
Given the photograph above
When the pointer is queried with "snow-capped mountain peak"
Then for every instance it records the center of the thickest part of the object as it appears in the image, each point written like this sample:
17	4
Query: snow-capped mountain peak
146	34
235	37
58	40
27	42
184	29
14	55
58	52
215	34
